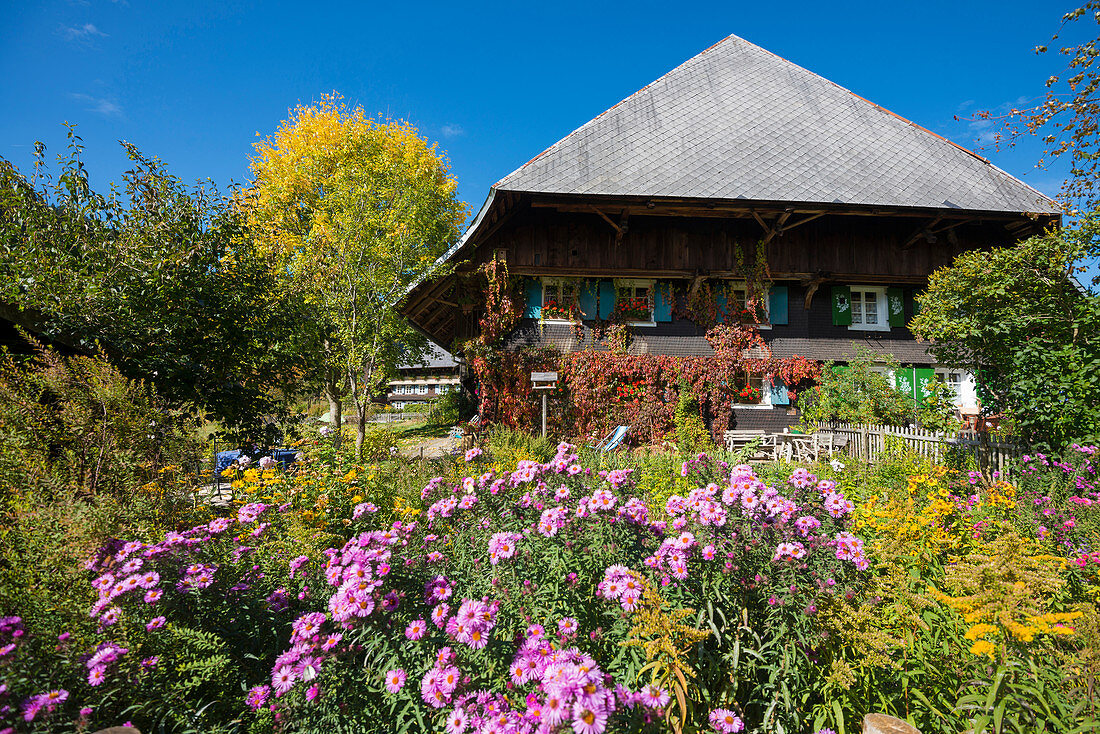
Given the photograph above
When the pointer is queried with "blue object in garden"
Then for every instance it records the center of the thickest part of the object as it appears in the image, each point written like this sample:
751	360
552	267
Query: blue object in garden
613	440
224	459
285	457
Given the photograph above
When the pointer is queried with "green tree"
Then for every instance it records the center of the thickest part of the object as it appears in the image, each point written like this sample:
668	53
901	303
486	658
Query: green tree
162	278
356	211
1017	318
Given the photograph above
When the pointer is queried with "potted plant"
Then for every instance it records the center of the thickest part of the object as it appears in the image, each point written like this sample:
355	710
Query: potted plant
632	309
552	310
748	394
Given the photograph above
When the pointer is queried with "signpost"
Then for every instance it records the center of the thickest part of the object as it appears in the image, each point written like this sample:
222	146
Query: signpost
544	382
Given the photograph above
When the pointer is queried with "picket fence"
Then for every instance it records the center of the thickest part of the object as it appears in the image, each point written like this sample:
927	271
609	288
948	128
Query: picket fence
992	452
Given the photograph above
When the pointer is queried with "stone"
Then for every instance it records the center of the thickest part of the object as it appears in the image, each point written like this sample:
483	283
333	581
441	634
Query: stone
883	724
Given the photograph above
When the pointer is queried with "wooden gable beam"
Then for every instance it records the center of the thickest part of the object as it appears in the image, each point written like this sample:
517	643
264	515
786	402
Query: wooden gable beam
925	231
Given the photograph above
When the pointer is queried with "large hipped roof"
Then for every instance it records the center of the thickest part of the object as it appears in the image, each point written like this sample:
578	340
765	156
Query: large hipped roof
738	122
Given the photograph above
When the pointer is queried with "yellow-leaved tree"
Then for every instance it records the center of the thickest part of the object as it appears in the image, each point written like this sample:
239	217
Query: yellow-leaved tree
355	210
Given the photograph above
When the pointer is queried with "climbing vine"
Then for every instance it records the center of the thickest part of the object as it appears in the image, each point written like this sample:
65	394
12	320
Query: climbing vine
601	389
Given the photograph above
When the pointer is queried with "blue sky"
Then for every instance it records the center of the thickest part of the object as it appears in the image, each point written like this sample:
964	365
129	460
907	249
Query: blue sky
194	82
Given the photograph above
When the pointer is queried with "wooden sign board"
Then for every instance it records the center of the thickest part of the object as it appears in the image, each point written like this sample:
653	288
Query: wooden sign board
544	377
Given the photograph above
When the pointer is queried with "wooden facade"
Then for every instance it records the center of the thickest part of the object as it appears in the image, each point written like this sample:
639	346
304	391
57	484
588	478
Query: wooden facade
808	248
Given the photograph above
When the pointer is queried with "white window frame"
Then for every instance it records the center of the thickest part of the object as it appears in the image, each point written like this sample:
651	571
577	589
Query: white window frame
559	282
633	283
421	389
883	323
741	285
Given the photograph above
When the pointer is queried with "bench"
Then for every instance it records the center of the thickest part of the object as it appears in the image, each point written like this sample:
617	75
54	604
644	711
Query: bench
736	440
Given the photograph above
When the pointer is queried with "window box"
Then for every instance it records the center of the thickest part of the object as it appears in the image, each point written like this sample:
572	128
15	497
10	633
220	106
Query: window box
559	300
634	302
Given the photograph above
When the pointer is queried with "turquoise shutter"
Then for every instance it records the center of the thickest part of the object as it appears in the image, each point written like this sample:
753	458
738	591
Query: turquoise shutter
662	302
607	298
534	299
778	390
842	305
721	305
777	304
895	306
587	300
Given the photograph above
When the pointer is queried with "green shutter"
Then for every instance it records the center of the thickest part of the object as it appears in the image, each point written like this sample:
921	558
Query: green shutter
903	379
895	306
925	375
842	305
777	304
916	303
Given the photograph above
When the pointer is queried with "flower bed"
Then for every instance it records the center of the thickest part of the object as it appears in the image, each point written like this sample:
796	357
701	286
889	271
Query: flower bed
555	597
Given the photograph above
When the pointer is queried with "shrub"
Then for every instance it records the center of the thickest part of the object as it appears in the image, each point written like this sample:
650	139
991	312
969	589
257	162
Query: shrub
75	424
858	393
550	592
692	435
453	408
508	447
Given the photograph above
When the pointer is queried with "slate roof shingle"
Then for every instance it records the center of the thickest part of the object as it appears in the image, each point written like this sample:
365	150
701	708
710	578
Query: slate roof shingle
738	122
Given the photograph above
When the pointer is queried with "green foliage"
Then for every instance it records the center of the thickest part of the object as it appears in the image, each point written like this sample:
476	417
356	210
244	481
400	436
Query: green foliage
508	446
860	392
379	442
76	425
164	279
1015	317
692	435
453	408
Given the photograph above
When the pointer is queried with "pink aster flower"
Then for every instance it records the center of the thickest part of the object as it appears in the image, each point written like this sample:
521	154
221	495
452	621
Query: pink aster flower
283	678
97	675
416	629
588	718
567	626
725	721
395	680
155	623
653	697
457	720
257	696
153	596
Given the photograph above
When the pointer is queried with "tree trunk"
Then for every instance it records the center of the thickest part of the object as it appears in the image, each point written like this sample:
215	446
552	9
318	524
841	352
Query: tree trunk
335	410
361	428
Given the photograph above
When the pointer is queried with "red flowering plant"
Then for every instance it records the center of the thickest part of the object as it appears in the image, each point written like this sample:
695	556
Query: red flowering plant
749	394
632	309
552	309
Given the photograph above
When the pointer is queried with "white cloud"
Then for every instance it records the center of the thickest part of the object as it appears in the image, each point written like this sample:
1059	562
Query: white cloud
451	130
81	33
100	105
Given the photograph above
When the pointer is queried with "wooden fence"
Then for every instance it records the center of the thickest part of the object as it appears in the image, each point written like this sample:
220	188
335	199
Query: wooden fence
992	452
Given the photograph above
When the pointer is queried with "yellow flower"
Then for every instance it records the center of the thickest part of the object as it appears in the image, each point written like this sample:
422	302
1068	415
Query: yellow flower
983	647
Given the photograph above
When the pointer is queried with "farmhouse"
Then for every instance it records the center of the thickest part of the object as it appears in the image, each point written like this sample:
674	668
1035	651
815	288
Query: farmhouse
737	187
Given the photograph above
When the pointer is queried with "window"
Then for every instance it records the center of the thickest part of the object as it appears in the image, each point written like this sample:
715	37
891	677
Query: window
869	309
559	299
634	302
421	389
737	299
